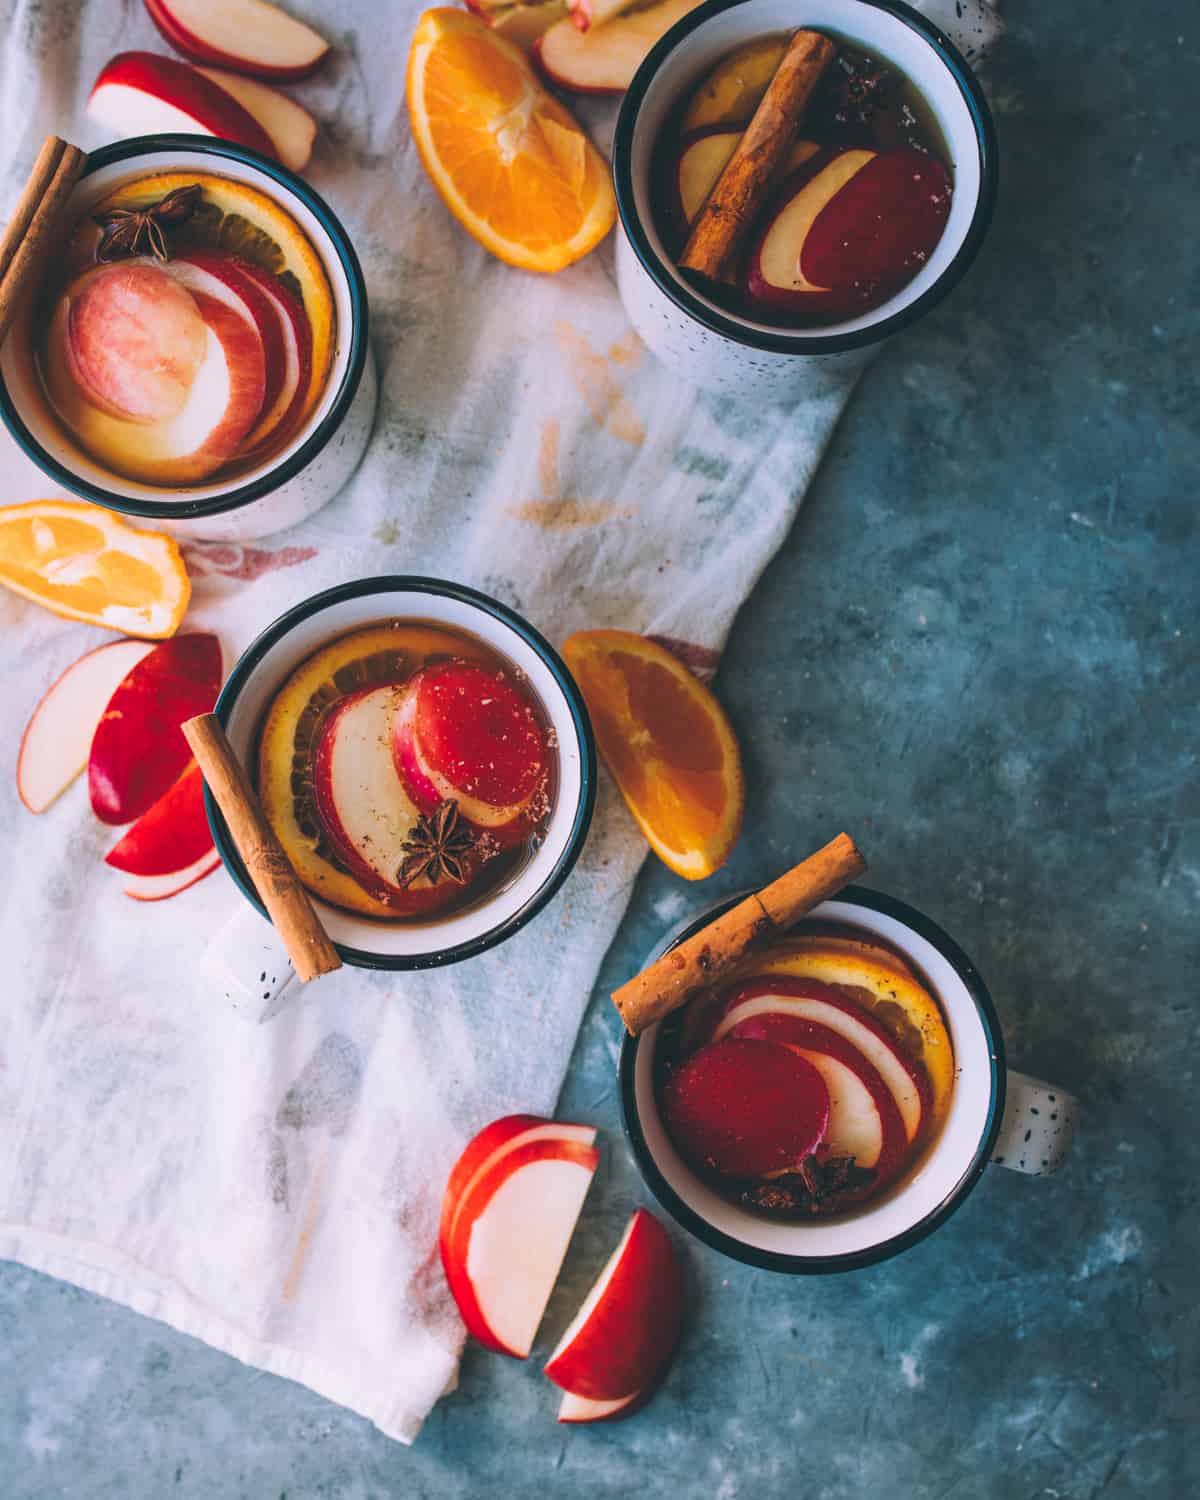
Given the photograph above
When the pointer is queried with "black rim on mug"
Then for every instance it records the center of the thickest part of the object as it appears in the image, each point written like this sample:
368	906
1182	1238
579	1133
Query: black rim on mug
811	1265
799	343
404	583
262	484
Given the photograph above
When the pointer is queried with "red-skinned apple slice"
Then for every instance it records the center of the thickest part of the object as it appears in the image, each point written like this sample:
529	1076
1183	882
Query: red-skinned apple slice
604	59
510	1237
245	36
465	732
848	232
808	1000
623	1336
223	278
296	337
588	13
580	1409
745	1108
141	93
290	126
161	887
54	748
363	806
171	836
138	751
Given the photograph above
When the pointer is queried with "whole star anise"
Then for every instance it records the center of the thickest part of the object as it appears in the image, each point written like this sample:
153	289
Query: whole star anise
436	847
133	231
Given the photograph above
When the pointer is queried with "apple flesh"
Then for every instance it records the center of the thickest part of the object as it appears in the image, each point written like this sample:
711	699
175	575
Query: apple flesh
735	87
162	887
141	93
138	750
171	836
847	232
604	59
280	418
245	36
573	1409
290	127
588	13
701	160
57	739
745	1108
223	278
621	1340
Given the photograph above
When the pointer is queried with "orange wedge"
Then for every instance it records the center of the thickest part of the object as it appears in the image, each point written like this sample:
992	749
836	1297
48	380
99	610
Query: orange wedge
85	563
511	163
668	744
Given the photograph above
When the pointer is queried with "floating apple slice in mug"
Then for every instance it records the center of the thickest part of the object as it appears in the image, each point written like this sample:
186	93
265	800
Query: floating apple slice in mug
701	160
290	126
281	416
246	36
141	93
623	1336
507	1240
223	277
54	749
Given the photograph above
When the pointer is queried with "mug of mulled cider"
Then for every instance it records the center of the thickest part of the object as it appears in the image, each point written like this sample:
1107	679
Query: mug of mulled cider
836	1099
789	199
197	355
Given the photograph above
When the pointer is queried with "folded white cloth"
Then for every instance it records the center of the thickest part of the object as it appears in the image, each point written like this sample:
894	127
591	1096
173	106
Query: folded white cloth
274	1189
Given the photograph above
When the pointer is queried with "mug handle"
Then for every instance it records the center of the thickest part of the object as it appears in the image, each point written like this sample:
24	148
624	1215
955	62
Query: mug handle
1039	1122
247	967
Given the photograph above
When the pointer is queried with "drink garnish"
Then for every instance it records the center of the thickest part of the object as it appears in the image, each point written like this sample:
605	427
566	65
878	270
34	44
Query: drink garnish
133	231
436	847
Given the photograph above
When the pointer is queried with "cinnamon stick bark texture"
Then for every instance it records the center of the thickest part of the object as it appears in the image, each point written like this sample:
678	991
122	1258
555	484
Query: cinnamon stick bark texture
704	959
286	900
741	189
36	226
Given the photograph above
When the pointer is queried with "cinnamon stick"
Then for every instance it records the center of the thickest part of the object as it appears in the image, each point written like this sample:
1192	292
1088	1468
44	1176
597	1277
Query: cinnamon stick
35	228
275	880
731	207
705	958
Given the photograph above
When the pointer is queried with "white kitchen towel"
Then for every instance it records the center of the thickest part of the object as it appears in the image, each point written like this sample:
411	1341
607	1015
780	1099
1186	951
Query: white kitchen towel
274	1189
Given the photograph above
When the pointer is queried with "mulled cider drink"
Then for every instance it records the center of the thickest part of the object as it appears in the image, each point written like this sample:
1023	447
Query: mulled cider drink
803	182
813	1081
188	332
408	770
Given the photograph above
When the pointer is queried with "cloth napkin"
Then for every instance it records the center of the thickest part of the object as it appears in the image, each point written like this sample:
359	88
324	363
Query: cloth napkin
274	1190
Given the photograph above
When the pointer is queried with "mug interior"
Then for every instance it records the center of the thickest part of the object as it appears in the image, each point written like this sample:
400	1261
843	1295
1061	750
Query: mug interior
942	1176
52	446
891	32
262	671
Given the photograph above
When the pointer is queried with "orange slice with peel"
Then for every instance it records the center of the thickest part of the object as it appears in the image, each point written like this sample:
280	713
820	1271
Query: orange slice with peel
85	563
668	744
511	163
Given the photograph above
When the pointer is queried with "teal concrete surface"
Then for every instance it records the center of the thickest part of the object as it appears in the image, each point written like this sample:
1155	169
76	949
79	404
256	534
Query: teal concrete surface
978	651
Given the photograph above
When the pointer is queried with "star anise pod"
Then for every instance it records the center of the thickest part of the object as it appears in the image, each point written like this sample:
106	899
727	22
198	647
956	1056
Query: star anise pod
436	847
133	231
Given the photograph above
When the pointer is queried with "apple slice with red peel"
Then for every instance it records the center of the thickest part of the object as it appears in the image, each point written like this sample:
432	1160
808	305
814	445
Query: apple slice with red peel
223	278
161	887
805	1000
588	13
292	130
745	1108
510	1236
492	1143
847	232
141	93
579	1409
138	750
523	24
604	59
57	739
172	835
467	733
245	36
278	418
625	1333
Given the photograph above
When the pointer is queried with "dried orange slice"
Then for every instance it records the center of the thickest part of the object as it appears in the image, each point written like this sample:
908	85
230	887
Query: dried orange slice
511	163
666	740
85	563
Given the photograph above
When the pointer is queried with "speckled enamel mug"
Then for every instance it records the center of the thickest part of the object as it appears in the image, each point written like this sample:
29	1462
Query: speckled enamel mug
703	342
995	1115
310	469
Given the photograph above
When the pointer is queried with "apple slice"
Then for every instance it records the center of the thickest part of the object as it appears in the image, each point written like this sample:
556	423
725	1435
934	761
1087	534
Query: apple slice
171	836
703	157
223	278
245	36
140	93
733	90
494	1142
745	1108
138	751
54	748
604	60
523	24
846	233
160	887
510	1237
623	1336
589	13
280	417
580	1409
809	1001
292	130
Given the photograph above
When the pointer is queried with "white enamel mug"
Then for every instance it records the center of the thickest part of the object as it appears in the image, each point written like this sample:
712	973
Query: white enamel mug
994	1116
704	343
313	466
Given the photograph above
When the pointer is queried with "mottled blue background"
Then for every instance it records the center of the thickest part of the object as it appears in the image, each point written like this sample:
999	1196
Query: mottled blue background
978	652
